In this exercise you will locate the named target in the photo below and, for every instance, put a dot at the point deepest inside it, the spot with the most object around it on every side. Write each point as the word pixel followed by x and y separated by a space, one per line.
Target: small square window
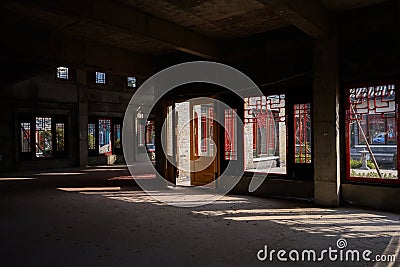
pixel 100 77
pixel 62 73
pixel 131 82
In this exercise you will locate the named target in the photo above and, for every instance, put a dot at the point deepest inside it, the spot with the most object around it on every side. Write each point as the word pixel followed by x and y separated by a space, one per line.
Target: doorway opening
pixel 192 143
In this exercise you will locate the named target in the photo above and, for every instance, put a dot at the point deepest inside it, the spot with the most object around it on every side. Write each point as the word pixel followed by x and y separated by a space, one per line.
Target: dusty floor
pixel 99 217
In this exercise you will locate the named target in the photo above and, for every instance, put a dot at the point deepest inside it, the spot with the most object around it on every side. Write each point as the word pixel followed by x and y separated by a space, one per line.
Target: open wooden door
pixel 170 169
pixel 191 142
pixel 203 142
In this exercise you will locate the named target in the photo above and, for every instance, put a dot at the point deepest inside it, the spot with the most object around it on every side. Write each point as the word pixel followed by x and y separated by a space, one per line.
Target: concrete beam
pixel 123 18
pixel 307 15
pixel 58 49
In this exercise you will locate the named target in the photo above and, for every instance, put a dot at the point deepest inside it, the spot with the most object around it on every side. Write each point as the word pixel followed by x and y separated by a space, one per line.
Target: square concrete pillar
pixel 81 79
pixel 326 123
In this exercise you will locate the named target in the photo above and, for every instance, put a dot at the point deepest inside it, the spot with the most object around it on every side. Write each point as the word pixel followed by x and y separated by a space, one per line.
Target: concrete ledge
pixel 377 197
pixel 44 164
pixel 277 188
pixel 102 160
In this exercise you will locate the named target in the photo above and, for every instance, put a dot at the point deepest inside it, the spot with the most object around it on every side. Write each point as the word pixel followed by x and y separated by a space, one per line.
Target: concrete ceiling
pixel 222 19
pixel 344 5
pixel 56 22
pixel 158 27
pixel 214 18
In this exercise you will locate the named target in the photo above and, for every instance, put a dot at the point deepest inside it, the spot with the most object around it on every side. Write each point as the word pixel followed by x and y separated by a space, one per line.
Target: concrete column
pixel 82 116
pixel 9 148
pixel 326 123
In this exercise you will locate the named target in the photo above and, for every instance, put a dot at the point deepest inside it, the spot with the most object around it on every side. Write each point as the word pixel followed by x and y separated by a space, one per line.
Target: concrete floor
pixel 99 217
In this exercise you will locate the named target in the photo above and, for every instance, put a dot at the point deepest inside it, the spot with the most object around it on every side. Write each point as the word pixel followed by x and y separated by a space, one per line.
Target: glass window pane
pixel 25 137
pixel 372 132
pixel 302 124
pixel 391 130
pixel 62 73
pixel 131 82
pixel 203 122
pixel 100 77
pixel 376 125
pixel 104 136
pixel 92 136
pixel 43 137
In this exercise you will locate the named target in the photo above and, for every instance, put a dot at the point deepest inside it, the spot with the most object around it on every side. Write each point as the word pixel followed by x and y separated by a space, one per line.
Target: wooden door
pixel 204 142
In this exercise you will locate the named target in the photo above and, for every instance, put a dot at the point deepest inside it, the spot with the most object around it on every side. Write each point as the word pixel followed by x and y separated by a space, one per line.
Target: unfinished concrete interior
pixel 323 130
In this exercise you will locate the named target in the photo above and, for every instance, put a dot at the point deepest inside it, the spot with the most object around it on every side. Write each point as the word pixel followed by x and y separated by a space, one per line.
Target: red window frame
pixel 267 121
pixel 302 117
pixel 347 130
pixel 230 124
pixel 204 135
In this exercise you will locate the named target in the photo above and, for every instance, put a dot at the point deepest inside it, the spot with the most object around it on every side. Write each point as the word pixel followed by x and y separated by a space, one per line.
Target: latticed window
pixel 302 127
pixel 265 133
pixel 104 136
pixel 44 139
pixel 371 133
pixel 230 123
pixel 25 137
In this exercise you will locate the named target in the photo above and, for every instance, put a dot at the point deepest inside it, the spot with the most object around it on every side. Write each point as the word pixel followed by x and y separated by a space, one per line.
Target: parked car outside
pixel 379 138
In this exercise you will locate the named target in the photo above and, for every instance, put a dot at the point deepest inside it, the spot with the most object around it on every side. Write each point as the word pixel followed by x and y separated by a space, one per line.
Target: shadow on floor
pixel 99 217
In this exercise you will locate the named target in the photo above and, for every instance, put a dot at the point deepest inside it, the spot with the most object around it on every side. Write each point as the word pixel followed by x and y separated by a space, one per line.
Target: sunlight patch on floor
pixel 58 173
pixel 84 189
pixel 328 222
pixel 16 178
pixel 155 197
